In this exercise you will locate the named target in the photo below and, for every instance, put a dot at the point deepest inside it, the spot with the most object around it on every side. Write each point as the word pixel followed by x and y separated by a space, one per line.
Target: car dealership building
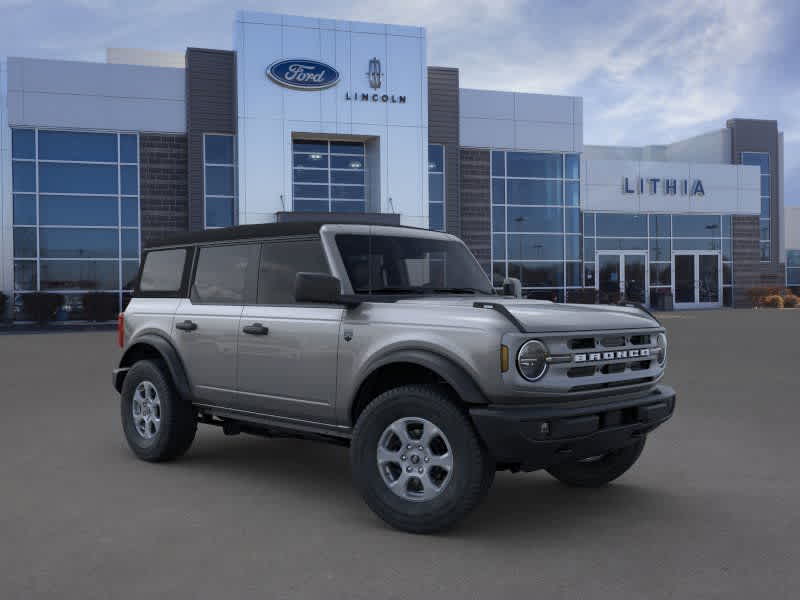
pixel 98 160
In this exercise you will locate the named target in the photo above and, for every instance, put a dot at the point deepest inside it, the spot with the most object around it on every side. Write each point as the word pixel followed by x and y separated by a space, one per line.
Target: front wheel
pixel 598 470
pixel 418 461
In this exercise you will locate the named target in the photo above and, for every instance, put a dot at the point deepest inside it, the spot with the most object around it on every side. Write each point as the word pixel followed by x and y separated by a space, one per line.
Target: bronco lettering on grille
pixel 616 355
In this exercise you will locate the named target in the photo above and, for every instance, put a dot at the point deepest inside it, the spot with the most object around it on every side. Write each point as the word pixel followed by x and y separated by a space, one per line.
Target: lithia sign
pixel 306 74
pixel 667 186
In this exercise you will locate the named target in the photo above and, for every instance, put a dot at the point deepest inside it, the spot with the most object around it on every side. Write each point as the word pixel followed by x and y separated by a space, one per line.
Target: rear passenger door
pixel 206 325
pixel 288 351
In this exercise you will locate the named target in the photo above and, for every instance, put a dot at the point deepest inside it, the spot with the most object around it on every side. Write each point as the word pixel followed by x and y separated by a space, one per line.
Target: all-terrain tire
pixel 177 424
pixel 470 477
pixel 600 471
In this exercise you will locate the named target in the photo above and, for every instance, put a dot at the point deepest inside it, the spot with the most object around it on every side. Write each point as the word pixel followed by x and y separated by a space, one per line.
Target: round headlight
pixel 661 342
pixel 532 360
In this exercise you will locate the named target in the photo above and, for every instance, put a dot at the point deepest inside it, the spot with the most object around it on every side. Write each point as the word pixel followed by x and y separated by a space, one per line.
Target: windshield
pixel 384 264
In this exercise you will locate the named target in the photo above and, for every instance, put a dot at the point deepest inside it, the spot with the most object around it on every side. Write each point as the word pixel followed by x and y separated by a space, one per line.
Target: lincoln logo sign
pixel 302 74
pixel 668 186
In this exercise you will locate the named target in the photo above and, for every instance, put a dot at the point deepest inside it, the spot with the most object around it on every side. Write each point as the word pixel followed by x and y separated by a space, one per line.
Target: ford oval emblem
pixel 303 74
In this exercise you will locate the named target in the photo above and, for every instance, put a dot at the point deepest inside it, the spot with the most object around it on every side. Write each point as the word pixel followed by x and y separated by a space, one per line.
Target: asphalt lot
pixel 712 509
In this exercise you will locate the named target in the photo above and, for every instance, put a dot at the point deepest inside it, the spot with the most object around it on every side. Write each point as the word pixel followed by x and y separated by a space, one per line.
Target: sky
pixel 649 72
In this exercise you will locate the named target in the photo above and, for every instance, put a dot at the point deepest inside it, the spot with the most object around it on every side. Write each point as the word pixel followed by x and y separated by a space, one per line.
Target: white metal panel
pixel 543 107
pixel 260 97
pixel 546 136
pixel 6 204
pixel 486 133
pixel 262 18
pixel 405 147
pixel 405 79
pixel 486 104
pixel 364 47
pixel 261 161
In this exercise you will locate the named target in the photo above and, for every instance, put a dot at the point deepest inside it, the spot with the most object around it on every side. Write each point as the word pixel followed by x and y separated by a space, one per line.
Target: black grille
pixel 581 343
pixel 613 341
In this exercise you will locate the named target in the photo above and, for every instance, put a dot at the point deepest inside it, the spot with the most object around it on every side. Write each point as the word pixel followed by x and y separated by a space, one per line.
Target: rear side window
pixel 280 263
pixel 221 274
pixel 163 271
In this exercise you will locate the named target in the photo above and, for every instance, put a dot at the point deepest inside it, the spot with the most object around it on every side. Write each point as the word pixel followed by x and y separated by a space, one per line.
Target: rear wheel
pixel 598 470
pixel 417 460
pixel 158 424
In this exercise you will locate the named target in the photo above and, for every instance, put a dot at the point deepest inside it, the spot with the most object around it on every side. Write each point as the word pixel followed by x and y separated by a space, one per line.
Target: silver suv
pixel 392 341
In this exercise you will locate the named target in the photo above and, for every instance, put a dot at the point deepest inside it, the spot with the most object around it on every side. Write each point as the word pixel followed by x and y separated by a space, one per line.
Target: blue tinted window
pixel 541 274
pixel 436 216
pixel 572 247
pixel 130 243
pixel 766 251
pixel 435 158
pixel 536 219
pixel 343 162
pixel 793 277
pixel 24 242
pixel 623 225
pixel 79 275
pixel 219 212
pixel 78 243
pixel 529 164
pixel 24 209
pixel 696 225
pixel 695 244
pixel 498 191
pixel 499 246
pixel 314 161
pixel 765 208
pixel 130 212
pixel 573 166
pixel 621 244
pixel 72 145
pixel 498 218
pixel 348 206
pixel 572 190
pixel 356 177
pixel 573 274
pixel 77 210
pixel 23 143
pixel 793 258
pixel 311 205
pixel 219 149
pixel 498 163
pixel 535 247
pixel 727 225
pixel 312 175
pixel 765 185
pixel 129 180
pixel 219 181
pixel 660 226
pixel 727 249
pixel 764 229
pixel 588 224
pixel 759 159
pixel 436 187
pixel 660 249
pixel 128 149
pixel 130 270
pixel 528 191
pixel 24 275
pixel 347 192
pixel 78 179
pixel 347 148
pixel 588 249
pixel 572 220
pixel 23 176
pixel 310 146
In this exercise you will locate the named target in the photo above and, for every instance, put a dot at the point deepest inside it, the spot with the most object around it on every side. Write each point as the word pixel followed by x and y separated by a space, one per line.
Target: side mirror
pixel 317 287
pixel 512 287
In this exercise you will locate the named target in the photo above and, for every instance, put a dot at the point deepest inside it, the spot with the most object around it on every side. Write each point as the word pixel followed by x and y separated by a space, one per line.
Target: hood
pixel 541 316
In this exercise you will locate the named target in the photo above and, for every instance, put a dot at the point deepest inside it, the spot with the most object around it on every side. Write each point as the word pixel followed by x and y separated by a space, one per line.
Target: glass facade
pixel 219 168
pixel 793 268
pixel 658 235
pixel 75 215
pixel 328 176
pixel 761 160
pixel 436 187
pixel 536 235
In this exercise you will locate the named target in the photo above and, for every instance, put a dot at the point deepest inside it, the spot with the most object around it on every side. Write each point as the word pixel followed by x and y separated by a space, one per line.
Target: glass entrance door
pixel 622 276
pixel 697 279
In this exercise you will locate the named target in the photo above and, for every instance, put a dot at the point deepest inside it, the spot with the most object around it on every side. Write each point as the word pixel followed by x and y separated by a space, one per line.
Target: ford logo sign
pixel 303 74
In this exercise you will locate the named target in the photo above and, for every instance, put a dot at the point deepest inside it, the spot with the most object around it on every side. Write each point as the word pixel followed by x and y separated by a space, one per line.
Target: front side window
pixel 280 264
pixel 221 274
pixel 219 158
pixel 409 265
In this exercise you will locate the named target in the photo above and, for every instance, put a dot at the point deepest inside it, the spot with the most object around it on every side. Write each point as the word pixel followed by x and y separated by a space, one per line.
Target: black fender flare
pixel 168 354
pixel 452 373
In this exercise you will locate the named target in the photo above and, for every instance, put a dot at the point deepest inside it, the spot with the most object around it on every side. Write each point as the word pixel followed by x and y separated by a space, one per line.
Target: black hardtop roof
pixel 260 230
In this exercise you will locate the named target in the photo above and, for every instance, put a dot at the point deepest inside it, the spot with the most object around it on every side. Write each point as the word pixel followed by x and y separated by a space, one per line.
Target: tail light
pixel 121 330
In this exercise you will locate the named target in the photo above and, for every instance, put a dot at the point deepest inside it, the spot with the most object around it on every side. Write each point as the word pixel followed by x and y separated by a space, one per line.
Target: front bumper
pixel 535 437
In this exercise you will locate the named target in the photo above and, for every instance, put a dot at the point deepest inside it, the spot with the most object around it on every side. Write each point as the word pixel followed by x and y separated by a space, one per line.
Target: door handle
pixel 256 329
pixel 187 325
